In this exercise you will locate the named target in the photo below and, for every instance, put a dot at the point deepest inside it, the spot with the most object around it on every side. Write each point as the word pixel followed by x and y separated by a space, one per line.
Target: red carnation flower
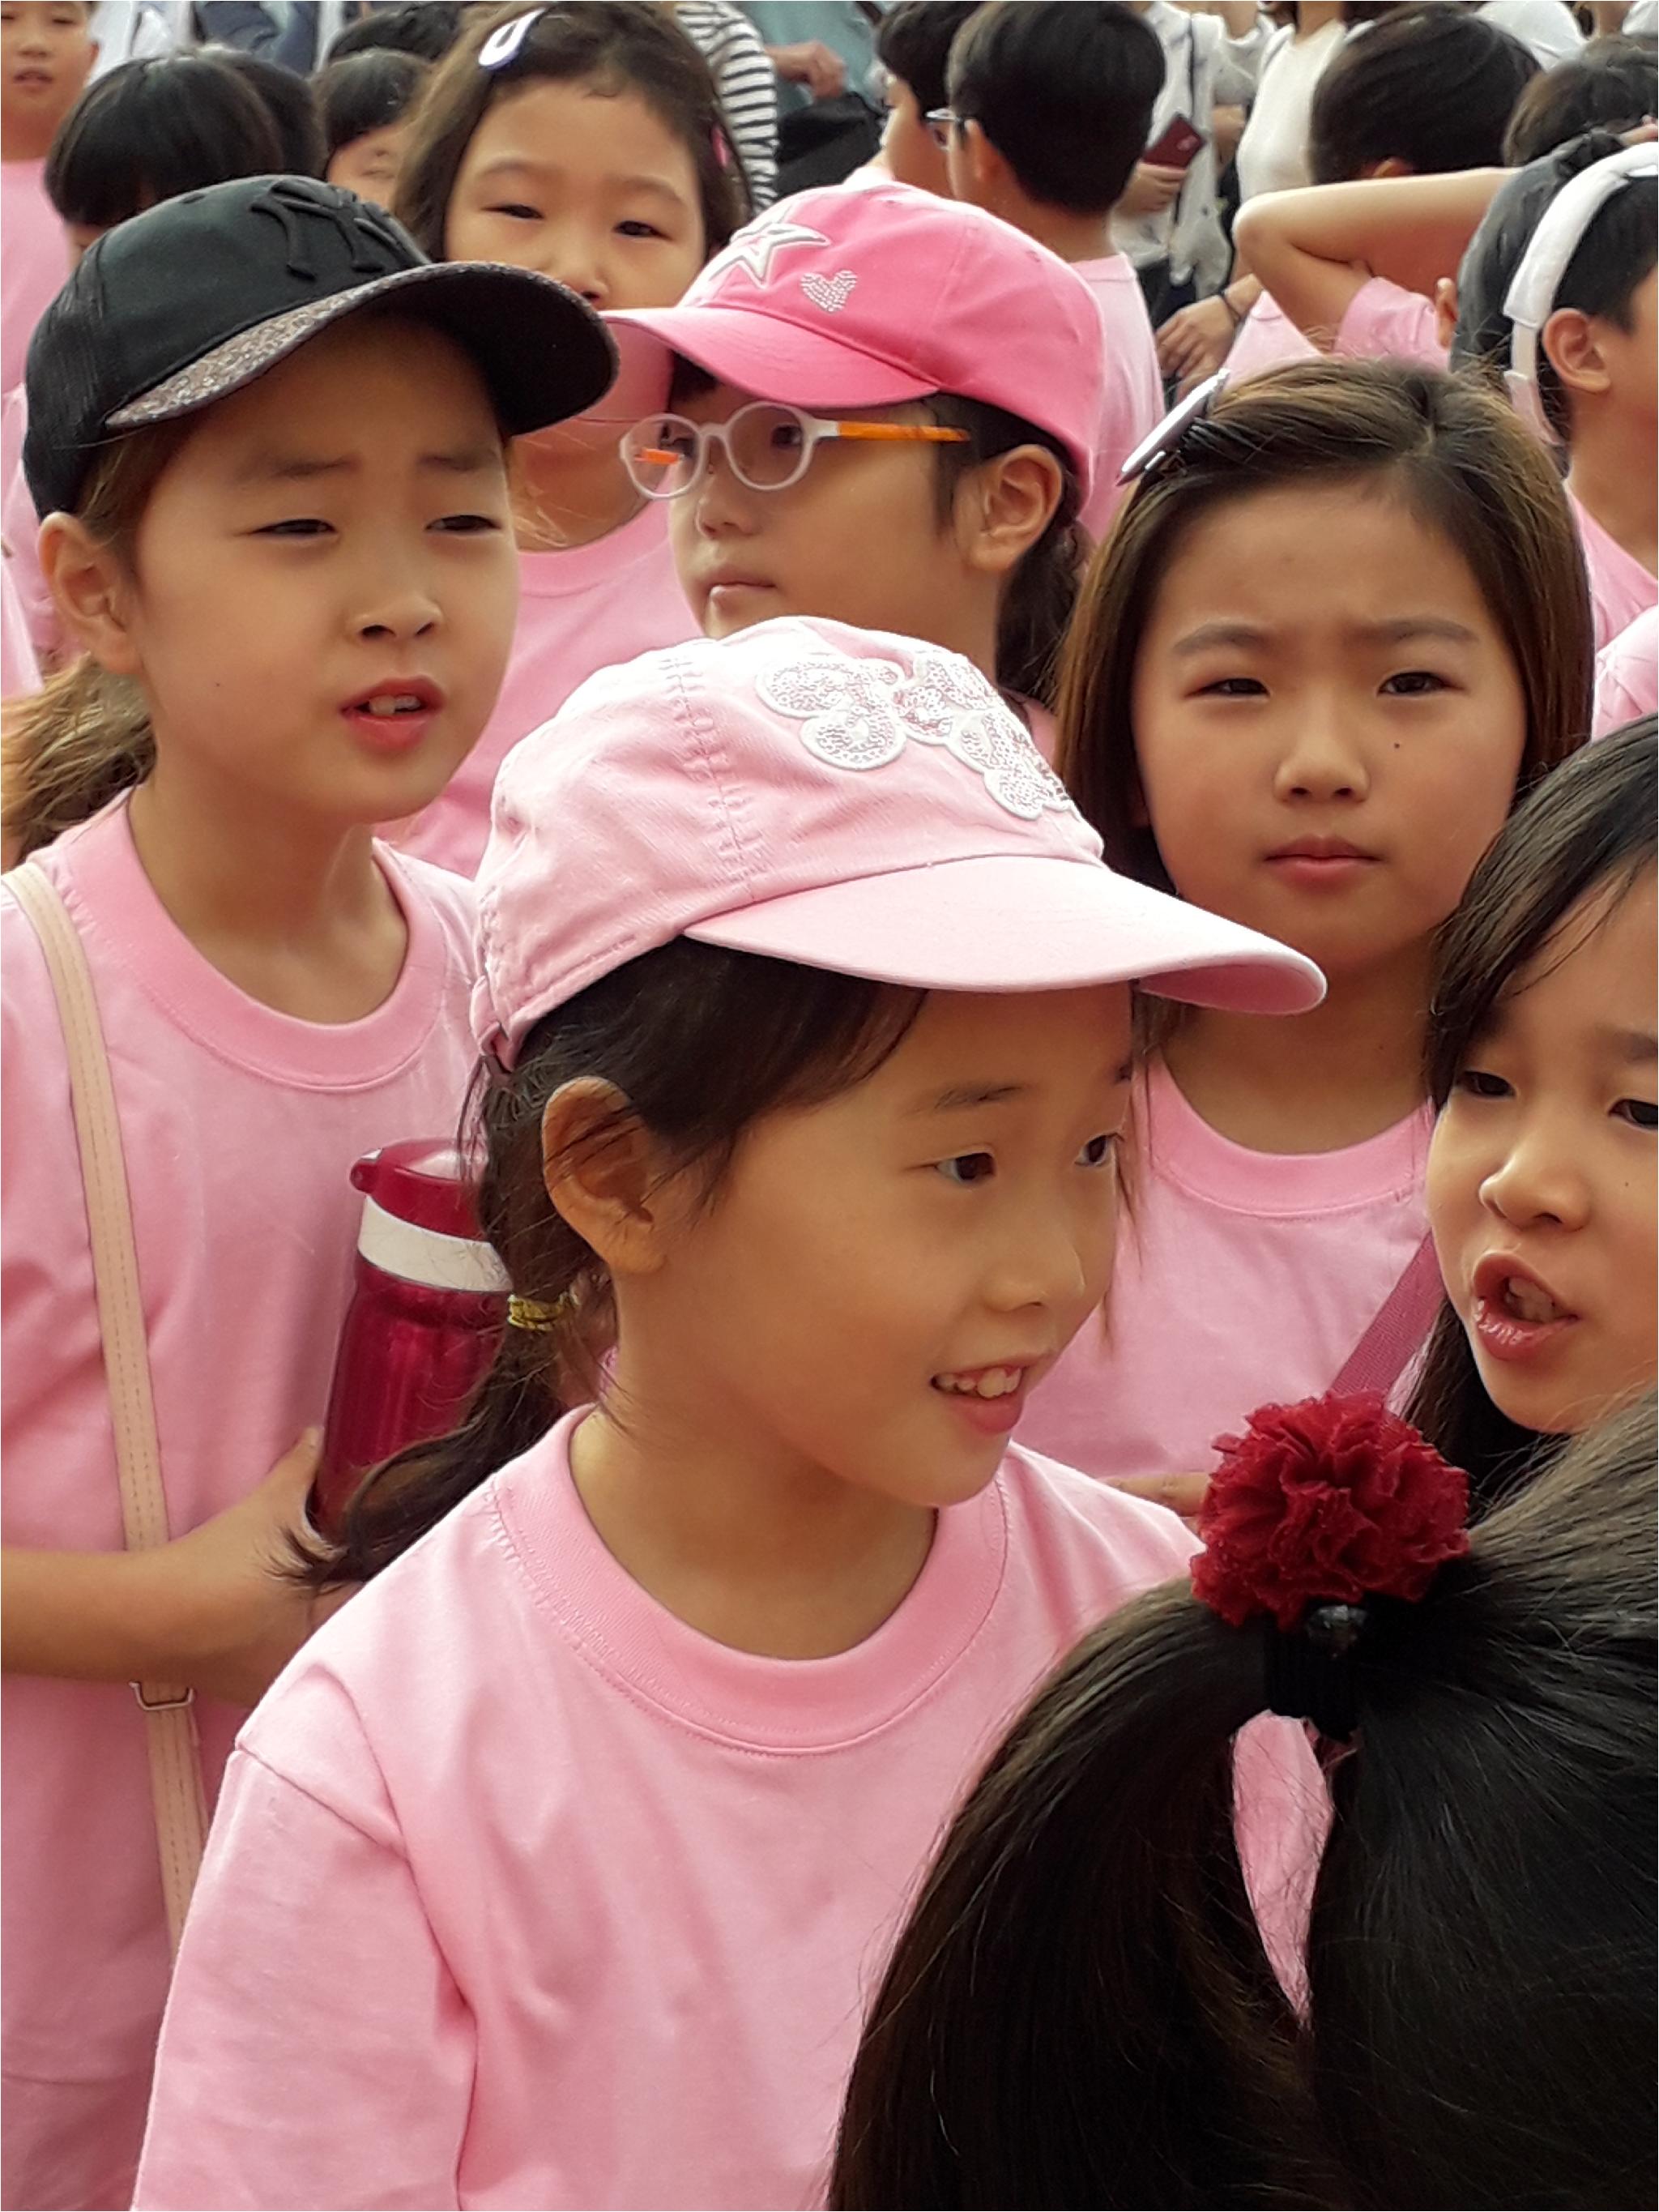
pixel 1335 1498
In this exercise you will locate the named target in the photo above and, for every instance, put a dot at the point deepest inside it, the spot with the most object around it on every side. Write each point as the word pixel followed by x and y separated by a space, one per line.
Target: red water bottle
pixel 425 1318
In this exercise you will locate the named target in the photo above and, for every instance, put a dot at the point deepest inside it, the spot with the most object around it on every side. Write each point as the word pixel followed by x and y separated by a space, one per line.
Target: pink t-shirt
pixel 20 528
pixel 579 611
pixel 34 258
pixel 1241 1278
pixel 1382 322
pixel 1620 587
pixel 1628 675
pixel 18 670
pixel 239 1126
pixel 1132 401
pixel 523 1892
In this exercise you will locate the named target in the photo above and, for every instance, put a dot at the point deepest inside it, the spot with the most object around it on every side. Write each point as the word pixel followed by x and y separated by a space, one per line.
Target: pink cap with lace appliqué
pixel 840 798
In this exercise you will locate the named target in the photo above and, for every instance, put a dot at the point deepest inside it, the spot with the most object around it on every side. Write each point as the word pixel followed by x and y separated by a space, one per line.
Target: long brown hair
pixel 85 736
pixel 1081 2012
pixel 621 47
pixel 1467 467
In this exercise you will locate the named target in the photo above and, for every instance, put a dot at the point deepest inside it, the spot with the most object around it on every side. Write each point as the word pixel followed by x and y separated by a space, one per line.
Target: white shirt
pixel 1187 233
pixel 1545 27
pixel 1272 154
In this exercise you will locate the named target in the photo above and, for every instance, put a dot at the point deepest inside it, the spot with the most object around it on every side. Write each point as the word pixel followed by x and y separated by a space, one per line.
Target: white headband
pixel 1530 301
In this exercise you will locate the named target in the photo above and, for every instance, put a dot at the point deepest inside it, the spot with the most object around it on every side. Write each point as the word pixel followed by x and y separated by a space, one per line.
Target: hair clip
pixel 1157 447
pixel 503 43
pixel 722 148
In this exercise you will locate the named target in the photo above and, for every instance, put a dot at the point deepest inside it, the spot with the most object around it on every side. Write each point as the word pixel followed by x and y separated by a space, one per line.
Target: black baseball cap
pixel 200 295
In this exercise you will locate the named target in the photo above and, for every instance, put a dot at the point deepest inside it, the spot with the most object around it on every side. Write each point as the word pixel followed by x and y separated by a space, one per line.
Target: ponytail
pixel 85 736
pixel 1080 2011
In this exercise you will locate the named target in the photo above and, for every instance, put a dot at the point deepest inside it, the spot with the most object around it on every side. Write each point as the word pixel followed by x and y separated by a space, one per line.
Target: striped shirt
pixel 748 89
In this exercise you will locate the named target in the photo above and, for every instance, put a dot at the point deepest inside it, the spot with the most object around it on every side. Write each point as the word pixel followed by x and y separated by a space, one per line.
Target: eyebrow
pixel 958 1096
pixel 1628 1046
pixel 527 165
pixel 1403 630
pixel 266 468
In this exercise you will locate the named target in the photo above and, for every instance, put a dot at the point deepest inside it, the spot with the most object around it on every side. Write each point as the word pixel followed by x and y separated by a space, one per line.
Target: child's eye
pixel 301 525
pixel 466 524
pixel 517 210
pixel 1643 1113
pixel 968 1168
pixel 1476 1083
pixel 1415 683
pixel 633 228
pixel 1097 1152
pixel 1236 687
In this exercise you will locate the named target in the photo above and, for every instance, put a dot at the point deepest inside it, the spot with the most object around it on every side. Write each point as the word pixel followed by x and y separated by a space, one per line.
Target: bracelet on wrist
pixel 1226 301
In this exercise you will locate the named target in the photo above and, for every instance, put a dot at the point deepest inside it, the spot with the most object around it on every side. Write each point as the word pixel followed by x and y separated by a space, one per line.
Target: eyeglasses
pixel 941 122
pixel 767 446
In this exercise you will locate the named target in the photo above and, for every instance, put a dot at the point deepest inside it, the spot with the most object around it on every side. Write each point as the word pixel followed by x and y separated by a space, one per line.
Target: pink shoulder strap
pixel 1398 1329
pixel 175 1762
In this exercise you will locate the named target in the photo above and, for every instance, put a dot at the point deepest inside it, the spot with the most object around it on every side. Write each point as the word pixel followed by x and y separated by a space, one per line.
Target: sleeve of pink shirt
pixel 1385 322
pixel 316 2051
pixel 1628 675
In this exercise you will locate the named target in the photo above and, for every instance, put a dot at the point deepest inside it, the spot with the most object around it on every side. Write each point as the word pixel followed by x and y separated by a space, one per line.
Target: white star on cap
pixel 756 245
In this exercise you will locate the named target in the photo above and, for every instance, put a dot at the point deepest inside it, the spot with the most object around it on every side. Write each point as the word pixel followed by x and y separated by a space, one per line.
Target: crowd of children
pixel 975 790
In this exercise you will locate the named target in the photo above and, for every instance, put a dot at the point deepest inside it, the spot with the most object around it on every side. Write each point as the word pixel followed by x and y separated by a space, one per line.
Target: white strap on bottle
pixel 175 1762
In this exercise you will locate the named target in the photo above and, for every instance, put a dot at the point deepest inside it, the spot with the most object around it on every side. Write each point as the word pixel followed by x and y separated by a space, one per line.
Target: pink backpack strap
pixel 175 1763
pixel 1398 1329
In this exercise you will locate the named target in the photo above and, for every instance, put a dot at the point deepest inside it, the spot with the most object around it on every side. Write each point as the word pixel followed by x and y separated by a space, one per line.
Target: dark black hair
pixel 1589 825
pixel 366 91
pixel 1064 89
pixel 1081 2011
pixel 427 31
pixel 913 41
pixel 698 1044
pixel 1612 83
pixel 1433 86
pixel 289 101
pixel 1615 257
pixel 621 47
pixel 151 130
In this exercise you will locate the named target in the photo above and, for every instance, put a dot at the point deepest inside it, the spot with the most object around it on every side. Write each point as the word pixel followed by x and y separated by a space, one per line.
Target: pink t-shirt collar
pixel 1212 1167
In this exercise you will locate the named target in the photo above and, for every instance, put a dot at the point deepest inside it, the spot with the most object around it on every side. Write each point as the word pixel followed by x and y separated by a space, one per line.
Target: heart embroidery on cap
pixel 829 293
pixel 861 714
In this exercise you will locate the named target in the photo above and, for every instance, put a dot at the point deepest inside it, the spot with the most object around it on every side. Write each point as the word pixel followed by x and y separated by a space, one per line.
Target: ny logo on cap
pixel 370 237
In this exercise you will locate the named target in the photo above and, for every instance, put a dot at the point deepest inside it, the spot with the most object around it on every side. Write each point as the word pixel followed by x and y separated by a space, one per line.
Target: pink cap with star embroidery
pixel 869 296
pixel 840 798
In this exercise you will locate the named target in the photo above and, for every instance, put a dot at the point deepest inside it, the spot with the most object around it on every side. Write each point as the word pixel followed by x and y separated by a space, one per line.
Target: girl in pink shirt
pixel 1291 696
pixel 277 528
pixel 1078 2012
pixel 884 409
pixel 46 51
pixel 1541 1175
pixel 558 1868
pixel 586 143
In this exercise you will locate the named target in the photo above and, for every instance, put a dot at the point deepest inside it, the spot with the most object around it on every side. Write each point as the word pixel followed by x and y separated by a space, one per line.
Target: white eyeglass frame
pixel 815 430
pixel 1530 301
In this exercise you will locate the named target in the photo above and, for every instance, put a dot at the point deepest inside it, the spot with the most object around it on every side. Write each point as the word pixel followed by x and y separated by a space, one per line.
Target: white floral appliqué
pixel 862 713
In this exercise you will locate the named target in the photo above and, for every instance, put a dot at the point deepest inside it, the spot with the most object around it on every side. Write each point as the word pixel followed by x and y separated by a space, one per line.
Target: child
pixel 282 545
pixel 960 361
pixel 1610 86
pixel 1321 747
pixel 1406 132
pixel 1079 2014
pixel 600 1802
pixel 365 102
pixel 46 53
pixel 587 144
pixel 1051 107
pixel 1566 302
pixel 289 100
pixel 913 43
pixel 1541 1181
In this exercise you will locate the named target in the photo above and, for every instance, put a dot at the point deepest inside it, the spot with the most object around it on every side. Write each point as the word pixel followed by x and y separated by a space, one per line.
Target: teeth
pixel 1527 1303
pixel 994 1382
pixel 401 704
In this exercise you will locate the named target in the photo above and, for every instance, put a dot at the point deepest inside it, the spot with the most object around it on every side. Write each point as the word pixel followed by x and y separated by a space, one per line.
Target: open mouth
pixel 982 1383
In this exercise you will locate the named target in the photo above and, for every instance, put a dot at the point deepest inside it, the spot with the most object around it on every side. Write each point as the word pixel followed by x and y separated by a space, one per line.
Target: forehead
pixel 583 128
pixel 1040 1039
pixel 1600 963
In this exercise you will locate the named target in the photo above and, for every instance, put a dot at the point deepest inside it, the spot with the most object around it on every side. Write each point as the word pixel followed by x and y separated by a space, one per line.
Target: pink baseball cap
pixel 866 296
pixel 839 798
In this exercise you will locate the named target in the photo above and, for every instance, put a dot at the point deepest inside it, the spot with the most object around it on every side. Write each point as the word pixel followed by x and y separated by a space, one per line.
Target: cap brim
pixel 1022 923
pixel 771 359
pixel 544 353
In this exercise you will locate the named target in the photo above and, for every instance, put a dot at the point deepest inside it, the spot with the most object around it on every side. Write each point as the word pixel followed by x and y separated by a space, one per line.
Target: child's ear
pixel 1445 310
pixel 91 591
pixel 1005 504
pixel 988 176
pixel 1572 342
pixel 600 1170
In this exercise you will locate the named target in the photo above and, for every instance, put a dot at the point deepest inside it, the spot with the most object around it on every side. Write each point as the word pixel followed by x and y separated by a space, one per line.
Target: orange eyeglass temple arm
pixel 933 433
